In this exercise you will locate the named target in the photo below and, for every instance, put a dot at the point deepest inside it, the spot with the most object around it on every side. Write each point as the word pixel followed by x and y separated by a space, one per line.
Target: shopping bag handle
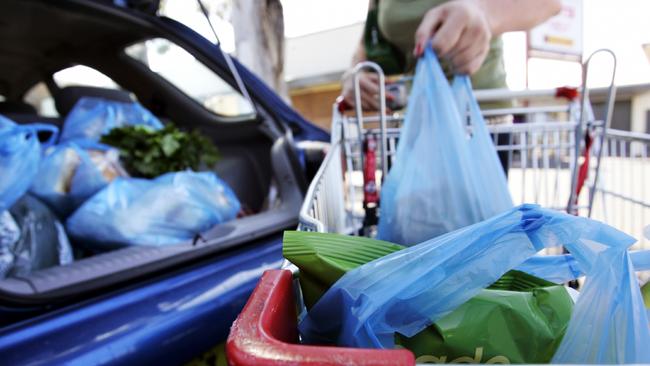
pixel 31 131
pixel 461 88
pixel 564 267
pixel 467 103
pixel 44 127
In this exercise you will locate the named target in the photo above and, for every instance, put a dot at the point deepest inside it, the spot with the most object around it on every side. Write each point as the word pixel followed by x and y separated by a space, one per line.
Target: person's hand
pixel 459 31
pixel 369 85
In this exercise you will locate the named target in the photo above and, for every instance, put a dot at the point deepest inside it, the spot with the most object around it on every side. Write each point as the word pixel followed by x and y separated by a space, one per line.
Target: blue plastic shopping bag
pixel 170 209
pixel 563 268
pixel 31 238
pixel 69 174
pixel 411 289
pixel 5 123
pixel 445 175
pixel 91 118
pixel 20 155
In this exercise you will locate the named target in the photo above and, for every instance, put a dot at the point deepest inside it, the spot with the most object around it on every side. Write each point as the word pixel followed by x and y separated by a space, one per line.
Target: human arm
pixel 368 83
pixel 461 30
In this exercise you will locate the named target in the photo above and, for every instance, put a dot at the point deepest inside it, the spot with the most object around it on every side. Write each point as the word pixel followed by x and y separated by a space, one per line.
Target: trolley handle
pixel 567 92
pixel 582 124
pixel 356 72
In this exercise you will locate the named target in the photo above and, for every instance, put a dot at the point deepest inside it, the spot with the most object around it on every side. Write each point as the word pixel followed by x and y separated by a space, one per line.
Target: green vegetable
pixel 149 153
pixel 645 291
pixel 518 319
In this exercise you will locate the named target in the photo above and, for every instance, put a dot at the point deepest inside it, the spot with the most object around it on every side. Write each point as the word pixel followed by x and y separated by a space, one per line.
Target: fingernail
pixel 418 50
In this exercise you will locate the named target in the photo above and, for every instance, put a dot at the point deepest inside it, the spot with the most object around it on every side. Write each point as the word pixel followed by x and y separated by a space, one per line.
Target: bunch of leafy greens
pixel 149 153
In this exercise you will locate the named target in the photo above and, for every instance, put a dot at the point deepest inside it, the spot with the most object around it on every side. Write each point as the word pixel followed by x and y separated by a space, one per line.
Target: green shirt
pixel 398 21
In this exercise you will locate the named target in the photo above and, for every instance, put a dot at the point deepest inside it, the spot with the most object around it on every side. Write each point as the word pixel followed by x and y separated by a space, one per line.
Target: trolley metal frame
pixel 545 154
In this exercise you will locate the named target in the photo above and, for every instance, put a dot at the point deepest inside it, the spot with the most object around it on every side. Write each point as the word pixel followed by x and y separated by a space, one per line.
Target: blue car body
pixel 164 322
pixel 168 315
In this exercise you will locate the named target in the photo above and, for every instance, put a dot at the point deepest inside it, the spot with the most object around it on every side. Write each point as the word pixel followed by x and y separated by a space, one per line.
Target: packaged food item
pixel 9 235
pixel 20 156
pixel 479 331
pixel 170 209
pixel 70 174
pixel 408 291
pixel 324 258
pixel 460 182
pixel 108 163
pixel 31 238
pixel 90 118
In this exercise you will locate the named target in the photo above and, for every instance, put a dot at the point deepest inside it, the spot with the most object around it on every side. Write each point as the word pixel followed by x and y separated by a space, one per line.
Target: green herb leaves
pixel 149 153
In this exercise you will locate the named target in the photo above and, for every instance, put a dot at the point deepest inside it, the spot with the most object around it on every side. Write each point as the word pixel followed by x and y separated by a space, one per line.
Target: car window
pixel 40 98
pixel 81 75
pixel 192 77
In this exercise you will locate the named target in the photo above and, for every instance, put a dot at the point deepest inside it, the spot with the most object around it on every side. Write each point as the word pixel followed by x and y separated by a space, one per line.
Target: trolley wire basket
pixel 557 154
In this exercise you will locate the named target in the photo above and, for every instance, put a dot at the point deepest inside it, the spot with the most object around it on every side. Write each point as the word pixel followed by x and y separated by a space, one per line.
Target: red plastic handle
pixel 370 193
pixel 265 333
pixel 567 92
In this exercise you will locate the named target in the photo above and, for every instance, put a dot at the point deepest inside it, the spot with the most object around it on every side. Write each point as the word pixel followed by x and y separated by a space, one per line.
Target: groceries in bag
pixel 409 290
pixel 324 258
pixel 565 267
pixel 31 238
pixel 69 174
pixel 518 319
pixel 20 156
pixel 444 177
pixel 90 118
pixel 480 328
pixel 9 235
pixel 5 123
pixel 171 209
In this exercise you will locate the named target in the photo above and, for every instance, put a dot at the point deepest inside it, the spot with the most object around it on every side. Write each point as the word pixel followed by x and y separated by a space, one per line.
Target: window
pixel 193 78
pixel 39 95
pixel 81 75
pixel 40 98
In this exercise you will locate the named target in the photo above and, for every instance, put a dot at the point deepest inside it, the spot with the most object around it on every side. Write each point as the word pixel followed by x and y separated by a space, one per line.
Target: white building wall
pixel 320 54
pixel 640 108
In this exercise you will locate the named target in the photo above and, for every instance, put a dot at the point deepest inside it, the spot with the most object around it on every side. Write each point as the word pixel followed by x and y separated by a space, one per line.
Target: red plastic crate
pixel 265 333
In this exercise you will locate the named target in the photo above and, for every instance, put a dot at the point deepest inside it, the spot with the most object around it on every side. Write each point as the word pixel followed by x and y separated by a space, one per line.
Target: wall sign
pixel 559 37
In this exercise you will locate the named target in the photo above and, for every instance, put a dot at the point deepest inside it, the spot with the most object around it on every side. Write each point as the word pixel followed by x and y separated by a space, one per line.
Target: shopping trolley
pixel 548 149
pixel 620 195
pixel 553 152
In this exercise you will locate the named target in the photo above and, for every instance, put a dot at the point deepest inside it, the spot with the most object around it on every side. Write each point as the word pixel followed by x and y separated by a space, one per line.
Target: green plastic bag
pixel 324 258
pixel 518 322
pixel 518 319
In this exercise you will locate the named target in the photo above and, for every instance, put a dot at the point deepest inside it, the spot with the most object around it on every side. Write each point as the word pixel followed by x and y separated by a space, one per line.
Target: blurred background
pixel 320 36
pixel 302 47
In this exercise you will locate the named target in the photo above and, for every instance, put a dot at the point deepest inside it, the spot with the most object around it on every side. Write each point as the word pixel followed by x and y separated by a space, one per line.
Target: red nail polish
pixel 418 50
